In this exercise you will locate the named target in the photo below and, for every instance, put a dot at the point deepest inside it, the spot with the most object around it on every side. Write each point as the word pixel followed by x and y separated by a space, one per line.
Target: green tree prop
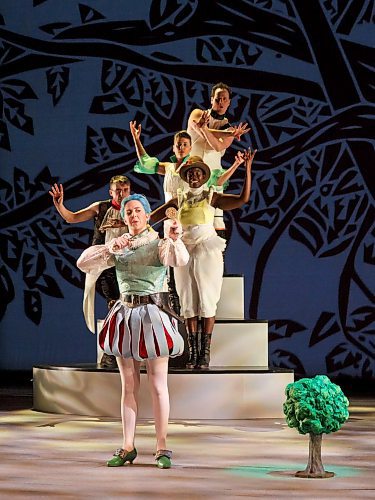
pixel 315 406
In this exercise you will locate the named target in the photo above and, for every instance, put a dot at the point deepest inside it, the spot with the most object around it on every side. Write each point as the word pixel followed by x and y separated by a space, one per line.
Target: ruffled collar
pixel 143 238
pixel 173 159
pixel 196 191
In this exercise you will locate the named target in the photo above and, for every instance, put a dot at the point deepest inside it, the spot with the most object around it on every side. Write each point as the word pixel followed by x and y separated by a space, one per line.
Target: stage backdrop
pixel 73 74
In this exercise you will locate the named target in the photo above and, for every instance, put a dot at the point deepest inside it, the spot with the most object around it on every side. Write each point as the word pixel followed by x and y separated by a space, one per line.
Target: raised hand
pixel 135 131
pixel 204 119
pixel 239 130
pixel 172 229
pixel 57 193
pixel 248 158
pixel 238 159
pixel 202 122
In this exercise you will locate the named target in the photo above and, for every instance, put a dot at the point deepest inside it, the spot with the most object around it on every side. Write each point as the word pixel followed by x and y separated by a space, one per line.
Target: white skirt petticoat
pixel 143 332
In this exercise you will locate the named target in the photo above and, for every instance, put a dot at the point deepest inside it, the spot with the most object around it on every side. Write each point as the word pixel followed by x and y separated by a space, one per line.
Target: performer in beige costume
pixel 211 134
pixel 199 281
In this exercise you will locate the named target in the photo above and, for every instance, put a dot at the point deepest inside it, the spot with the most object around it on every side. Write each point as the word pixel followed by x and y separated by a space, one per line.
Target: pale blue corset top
pixel 140 271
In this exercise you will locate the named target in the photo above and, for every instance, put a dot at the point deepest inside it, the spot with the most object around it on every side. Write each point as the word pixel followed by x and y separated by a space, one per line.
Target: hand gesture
pixel 248 158
pixel 202 122
pixel 57 193
pixel 117 244
pixel 204 119
pixel 240 129
pixel 238 159
pixel 135 131
pixel 172 229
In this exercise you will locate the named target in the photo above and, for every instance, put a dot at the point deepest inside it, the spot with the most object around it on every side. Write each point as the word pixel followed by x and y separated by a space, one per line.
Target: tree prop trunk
pixel 314 468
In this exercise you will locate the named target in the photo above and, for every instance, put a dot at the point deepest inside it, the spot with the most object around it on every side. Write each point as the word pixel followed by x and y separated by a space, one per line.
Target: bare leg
pixel 208 324
pixel 192 324
pixel 157 372
pixel 130 378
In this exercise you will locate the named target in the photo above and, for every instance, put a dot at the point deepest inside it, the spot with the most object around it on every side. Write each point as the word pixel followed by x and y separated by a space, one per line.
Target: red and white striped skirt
pixel 143 332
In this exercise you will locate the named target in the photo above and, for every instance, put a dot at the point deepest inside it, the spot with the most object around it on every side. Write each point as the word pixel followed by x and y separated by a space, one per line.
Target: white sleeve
pixel 95 259
pixel 173 253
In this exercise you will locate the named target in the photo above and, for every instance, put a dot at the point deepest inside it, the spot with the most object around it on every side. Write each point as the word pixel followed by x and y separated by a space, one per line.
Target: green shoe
pixel 163 459
pixel 122 456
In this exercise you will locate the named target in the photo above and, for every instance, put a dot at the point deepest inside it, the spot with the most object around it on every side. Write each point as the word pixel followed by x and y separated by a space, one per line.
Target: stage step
pixel 218 393
pixel 240 343
pixel 232 299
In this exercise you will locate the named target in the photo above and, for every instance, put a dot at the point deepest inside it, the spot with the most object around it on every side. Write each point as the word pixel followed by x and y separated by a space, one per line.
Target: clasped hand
pixel 172 229
pixel 117 244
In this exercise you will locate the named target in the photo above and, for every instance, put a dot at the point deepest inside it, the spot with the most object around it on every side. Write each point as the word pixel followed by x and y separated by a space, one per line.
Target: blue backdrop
pixel 72 77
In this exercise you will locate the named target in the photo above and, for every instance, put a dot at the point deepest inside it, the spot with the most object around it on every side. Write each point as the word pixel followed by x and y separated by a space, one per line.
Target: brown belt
pixel 160 299
pixel 136 300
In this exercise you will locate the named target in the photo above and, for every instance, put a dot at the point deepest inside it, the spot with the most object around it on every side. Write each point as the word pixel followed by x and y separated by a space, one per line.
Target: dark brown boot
pixel 204 353
pixel 108 361
pixel 193 350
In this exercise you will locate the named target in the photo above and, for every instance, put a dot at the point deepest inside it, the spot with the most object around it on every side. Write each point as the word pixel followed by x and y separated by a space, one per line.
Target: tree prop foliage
pixel 315 406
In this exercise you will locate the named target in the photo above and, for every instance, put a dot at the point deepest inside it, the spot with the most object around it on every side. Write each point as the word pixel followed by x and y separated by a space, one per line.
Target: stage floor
pixel 63 456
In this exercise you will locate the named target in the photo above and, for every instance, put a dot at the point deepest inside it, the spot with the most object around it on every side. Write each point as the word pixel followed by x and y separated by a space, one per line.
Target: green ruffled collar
pixel 174 159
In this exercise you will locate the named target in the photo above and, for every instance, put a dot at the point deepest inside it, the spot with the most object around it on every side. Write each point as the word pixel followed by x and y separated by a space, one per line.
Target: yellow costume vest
pixel 193 213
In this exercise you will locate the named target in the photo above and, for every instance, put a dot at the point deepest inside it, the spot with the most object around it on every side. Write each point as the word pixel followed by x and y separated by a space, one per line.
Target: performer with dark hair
pixel 173 182
pixel 140 326
pixel 211 135
pixel 107 225
pixel 151 165
pixel 199 282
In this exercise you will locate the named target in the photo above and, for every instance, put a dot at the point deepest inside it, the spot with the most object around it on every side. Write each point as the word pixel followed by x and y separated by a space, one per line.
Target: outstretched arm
pixel 218 140
pixel 136 134
pixel 238 160
pixel 222 139
pixel 232 201
pixel 57 193
pixel 145 165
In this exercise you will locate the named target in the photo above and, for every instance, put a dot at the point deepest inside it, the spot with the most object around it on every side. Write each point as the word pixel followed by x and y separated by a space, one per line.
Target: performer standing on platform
pixel 107 225
pixel 172 180
pixel 211 134
pixel 199 282
pixel 151 165
pixel 140 326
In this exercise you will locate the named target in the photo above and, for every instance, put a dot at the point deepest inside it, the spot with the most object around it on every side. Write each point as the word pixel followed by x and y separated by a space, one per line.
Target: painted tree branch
pixel 339 83
pixel 259 80
pixel 352 123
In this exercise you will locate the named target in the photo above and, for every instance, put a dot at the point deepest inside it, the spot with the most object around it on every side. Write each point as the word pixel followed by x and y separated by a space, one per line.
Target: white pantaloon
pixel 198 284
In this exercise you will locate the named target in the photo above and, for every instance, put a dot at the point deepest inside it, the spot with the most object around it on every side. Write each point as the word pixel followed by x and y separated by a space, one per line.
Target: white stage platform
pixel 237 393
pixel 238 385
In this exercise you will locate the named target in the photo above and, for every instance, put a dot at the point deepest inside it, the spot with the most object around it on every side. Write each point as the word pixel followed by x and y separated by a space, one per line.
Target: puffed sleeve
pixel 95 259
pixel 173 253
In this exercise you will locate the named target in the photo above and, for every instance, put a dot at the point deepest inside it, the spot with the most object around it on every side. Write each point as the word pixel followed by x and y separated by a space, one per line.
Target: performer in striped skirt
pixel 140 326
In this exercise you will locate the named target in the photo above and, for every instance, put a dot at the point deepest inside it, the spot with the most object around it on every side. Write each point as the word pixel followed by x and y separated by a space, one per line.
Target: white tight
pixel 157 373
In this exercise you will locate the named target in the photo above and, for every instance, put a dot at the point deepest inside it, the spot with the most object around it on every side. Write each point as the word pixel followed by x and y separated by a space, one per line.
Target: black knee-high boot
pixel 193 349
pixel 204 353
